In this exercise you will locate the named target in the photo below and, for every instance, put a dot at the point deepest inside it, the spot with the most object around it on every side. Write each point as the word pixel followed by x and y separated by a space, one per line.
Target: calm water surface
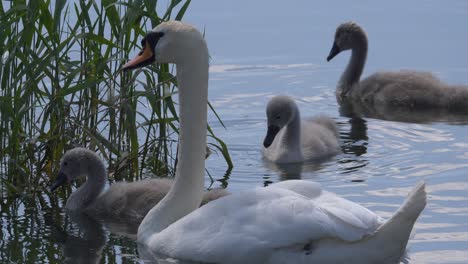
pixel 263 48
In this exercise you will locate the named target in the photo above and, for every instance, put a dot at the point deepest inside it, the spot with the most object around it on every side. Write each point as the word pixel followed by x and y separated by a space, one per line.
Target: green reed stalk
pixel 61 87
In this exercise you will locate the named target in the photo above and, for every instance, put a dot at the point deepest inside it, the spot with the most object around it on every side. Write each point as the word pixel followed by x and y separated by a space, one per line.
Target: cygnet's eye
pixel 160 34
pixel 65 163
pixel 278 117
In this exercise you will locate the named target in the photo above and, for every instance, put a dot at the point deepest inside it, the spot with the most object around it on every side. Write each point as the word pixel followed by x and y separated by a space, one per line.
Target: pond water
pixel 263 48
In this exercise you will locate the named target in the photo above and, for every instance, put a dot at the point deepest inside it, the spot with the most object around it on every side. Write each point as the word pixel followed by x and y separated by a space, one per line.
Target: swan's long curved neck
pixel 353 71
pixel 91 189
pixel 187 191
pixel 292 134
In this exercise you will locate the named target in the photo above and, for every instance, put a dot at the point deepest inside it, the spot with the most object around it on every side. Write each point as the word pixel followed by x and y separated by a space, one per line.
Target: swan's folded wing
pixel 250 225
pixel 350 214
pixel 319 138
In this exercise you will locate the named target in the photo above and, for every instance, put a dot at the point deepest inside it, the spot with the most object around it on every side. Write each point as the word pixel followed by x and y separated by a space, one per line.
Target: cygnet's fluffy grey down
pixel 127 201
pixel 408 89
pixel 289 140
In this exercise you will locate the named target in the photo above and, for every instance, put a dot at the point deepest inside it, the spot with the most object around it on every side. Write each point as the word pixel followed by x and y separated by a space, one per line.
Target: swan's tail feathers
pixel 397 230
pixel 413 205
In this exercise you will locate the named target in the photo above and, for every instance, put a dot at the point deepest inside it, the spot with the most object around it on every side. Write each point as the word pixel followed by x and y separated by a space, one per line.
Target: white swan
pixel 125 201
pixel 289 222
pixel 289 140
pixel 407 89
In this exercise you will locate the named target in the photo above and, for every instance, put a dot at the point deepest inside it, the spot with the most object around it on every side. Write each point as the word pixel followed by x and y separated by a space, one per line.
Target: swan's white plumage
pixel 290 222
pixel 257 222
pixel 278 225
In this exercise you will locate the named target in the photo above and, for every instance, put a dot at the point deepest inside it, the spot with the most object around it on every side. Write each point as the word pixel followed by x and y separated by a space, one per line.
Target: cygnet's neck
pixel 91 189
pixel 353 71
pixel 187 191
pixel 291 140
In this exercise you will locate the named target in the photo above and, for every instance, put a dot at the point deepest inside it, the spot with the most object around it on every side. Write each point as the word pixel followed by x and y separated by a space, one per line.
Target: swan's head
pixel 169 42
pixel 76 163
pixel 280 111
pixel 347 36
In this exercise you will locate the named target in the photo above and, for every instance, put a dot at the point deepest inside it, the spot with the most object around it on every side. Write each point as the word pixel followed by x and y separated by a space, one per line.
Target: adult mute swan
pixel 289 140
pixel 124 201
pixel 288 222
pixel 406 89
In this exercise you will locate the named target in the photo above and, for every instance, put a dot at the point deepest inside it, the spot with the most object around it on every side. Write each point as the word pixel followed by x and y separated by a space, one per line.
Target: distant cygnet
pixel 288 140
pixel 409 89
pixel 128 201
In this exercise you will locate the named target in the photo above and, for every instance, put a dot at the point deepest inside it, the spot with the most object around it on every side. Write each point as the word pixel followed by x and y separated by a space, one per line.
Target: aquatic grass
pixel 61 87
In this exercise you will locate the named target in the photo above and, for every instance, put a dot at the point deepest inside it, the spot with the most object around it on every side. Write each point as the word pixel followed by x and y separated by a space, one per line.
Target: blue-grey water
pixel 263 48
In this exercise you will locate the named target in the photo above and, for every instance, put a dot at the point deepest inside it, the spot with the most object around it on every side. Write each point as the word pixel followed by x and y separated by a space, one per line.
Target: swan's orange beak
pixel 145 57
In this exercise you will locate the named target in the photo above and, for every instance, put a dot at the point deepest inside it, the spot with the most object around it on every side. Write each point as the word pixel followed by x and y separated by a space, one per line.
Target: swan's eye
pixel 143 43
pixel 152 38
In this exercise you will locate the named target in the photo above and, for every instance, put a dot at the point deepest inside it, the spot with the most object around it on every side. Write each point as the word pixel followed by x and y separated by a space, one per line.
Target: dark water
pixel 263 48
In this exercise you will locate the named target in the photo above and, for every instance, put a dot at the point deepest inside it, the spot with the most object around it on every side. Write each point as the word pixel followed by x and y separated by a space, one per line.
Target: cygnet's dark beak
pixel 270 136
pixel 333 52
pixel 59 181
pixel 145 57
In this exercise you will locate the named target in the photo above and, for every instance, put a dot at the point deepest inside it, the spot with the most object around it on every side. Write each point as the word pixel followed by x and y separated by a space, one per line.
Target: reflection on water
pixel 292 171
pixel 435 256
pixel 39 231
pixel 351 108
pixel 260 68
pixel 354 145
pixel 82 239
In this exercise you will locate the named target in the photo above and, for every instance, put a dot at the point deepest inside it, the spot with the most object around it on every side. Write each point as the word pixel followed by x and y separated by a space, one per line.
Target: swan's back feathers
pixel 319 138
pixel 326 122
pixel 131 201
pixel 271 218
pixel 213 194
pixel 411 89
pixel 306 188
